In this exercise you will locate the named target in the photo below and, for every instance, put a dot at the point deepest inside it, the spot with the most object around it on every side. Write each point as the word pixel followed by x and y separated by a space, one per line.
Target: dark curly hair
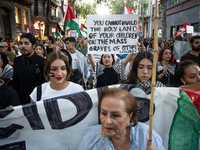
pixel 180 71
pixel 162 52
pixel 29 36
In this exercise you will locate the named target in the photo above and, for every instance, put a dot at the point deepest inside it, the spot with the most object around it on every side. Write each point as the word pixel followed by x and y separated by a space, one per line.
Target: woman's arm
pixel 92 61
pixel 127 59
pixel 163 73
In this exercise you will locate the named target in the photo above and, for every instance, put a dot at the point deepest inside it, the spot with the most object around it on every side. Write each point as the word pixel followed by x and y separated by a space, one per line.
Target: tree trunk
pixel 164 24
pixel 46 33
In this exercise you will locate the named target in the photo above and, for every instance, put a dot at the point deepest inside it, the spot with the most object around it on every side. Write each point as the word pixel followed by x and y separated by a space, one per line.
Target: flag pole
pixel 153 81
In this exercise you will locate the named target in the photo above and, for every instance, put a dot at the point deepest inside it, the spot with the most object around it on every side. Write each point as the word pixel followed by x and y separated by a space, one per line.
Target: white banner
pixel 112 34
pixel 60 123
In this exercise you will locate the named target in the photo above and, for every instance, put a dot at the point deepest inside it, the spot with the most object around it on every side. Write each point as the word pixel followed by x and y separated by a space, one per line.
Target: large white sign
pixel 59 123
pixel 112 34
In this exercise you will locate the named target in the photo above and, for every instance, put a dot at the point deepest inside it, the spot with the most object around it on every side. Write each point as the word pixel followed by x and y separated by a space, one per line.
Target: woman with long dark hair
pixel 142 70
pixel 109 71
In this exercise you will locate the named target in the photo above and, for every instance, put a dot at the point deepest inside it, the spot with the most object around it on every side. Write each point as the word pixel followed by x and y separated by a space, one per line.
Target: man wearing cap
pixel 28 68
pixel 11 56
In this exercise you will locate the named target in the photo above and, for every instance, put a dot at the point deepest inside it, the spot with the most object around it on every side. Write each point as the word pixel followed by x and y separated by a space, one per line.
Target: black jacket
pixel 25 80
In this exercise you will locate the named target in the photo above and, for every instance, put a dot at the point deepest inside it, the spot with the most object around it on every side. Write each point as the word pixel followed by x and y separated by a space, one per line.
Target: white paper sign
pixel 112 34
pixel 190 29
pixel 73 33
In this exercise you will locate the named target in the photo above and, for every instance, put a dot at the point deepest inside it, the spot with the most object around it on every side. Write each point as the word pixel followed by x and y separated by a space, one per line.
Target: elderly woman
pixel 119 127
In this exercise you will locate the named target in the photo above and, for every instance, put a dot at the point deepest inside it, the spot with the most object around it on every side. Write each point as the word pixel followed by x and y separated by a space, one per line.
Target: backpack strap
pixel 39 92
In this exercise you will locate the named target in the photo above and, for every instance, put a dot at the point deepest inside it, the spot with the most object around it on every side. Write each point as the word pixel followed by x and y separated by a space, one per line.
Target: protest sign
pixel 180 48
pixel 190 29
pixel 112 34
pixel 73 33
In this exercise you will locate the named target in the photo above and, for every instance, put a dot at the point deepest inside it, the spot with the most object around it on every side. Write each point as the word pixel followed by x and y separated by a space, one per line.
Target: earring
pixel 128 124
pixel 183 82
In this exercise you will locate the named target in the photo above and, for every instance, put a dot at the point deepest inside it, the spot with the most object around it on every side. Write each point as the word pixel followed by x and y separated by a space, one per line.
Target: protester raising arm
pixel 125 61
pixel 109 71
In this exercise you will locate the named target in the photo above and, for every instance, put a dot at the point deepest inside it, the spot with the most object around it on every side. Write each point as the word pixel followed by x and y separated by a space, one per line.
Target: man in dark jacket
pixel 194 54
pixel 28 69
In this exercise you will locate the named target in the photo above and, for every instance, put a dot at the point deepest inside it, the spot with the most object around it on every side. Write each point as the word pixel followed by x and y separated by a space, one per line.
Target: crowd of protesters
pixel 40 69
pixel 26 64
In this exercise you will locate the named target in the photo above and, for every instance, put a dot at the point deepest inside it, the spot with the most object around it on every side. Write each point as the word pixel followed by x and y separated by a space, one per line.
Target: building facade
pixel 39 18
pixel 179 12
pixel 17 16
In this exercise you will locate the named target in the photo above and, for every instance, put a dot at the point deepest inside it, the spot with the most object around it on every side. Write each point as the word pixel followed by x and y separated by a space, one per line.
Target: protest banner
pixel 59 123
pixel 112 34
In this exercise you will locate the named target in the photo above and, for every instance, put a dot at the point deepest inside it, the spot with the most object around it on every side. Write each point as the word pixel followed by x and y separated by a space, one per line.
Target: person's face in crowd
pixel 162 45
pixel 107 60
pixel 26 47
pixel 47 41
pixel 113 117
pixel 166 55
pixel 143 48
pixel 69 45
pixel 39 51
pixel 79 40
pixel 59 69
pixel 144 70
pixel 86 42
pixel 196 45
pixel 191 75
pixel 13 50
pixel 41 42
pixel 3 49
pixel 141 43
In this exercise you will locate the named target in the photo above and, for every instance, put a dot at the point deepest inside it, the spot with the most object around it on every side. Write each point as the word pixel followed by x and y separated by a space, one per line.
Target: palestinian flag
pixel 127 11
pixel 183 30
pixel 20 33
pixel 57 32
pixel 70 19
pixel 59 29
pixel 83 28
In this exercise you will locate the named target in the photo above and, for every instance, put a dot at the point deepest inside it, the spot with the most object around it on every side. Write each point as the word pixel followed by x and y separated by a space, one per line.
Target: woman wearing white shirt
pixel 56 70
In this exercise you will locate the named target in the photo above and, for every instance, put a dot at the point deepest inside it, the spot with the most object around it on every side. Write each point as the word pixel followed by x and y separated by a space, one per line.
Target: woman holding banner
pixel 108 71
pixel 57 70
pixel 119 127
pixel 141 72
